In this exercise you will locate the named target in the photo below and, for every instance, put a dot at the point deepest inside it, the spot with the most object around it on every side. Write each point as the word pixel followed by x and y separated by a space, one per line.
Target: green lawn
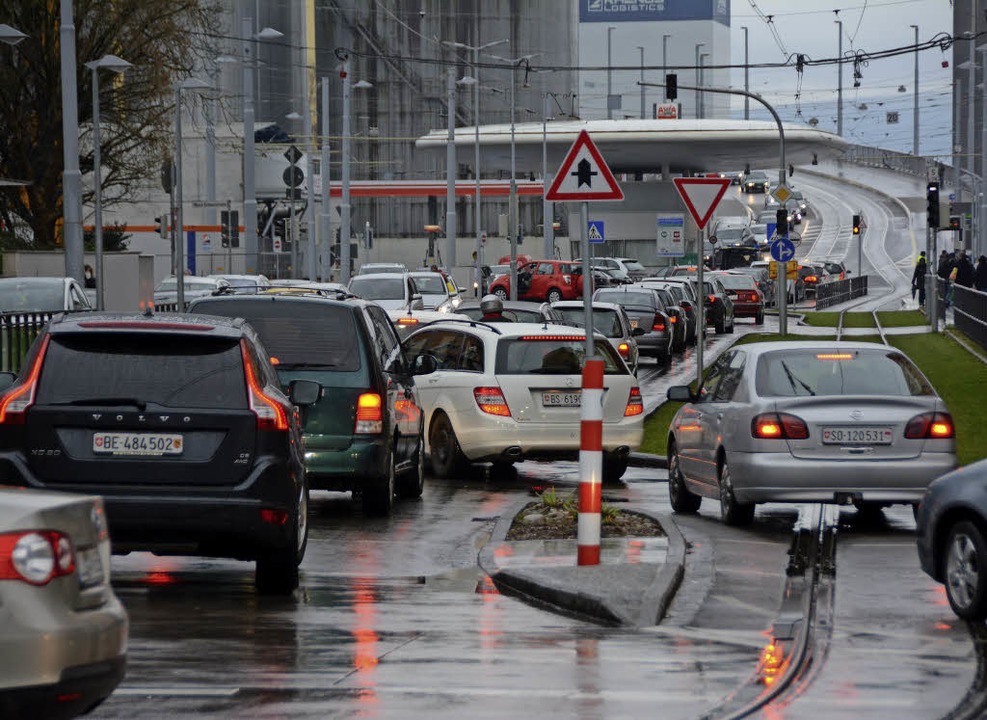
pixel 902 318
pixel 957 376
pixel 832 319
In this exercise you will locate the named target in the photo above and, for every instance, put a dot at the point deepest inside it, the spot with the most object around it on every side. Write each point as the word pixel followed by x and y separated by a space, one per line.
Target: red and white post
pixel 590 464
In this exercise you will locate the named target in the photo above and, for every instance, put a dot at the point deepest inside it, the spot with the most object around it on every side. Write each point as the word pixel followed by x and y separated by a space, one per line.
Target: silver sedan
pixel 849 423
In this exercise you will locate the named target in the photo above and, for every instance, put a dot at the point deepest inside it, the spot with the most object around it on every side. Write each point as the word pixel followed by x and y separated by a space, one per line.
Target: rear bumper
pixel 347 468
pixel 742 309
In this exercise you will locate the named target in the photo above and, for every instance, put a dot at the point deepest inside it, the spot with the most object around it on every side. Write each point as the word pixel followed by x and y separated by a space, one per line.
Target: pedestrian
pixel 944 269
pixel 964 270
pixel 492 309
pixel 89 276
pixel 980 274
pixel 918 279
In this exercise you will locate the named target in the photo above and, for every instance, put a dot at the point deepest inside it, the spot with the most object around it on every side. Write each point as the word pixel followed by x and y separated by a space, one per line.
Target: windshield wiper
pixel 792 379
pixel 104 401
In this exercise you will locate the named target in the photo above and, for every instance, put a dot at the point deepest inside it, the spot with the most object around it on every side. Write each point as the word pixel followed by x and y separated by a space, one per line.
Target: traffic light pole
pixel 931 272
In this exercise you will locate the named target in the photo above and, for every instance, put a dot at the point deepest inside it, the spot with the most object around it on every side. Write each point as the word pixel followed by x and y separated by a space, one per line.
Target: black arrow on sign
pixel 584 173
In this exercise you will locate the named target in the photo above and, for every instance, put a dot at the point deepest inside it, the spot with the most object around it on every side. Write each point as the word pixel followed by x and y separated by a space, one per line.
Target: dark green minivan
pixel 364 434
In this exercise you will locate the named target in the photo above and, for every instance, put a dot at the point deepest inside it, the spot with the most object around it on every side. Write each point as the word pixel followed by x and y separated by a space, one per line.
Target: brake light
pixel 658 324
pixel 271 415
pixel 774 426
pixel 673 319
pixel 407 321
pixel 369 414
pixel 933 425
pixel 35 556
pixel 624 349
pixel 15 402
pixel 491 401
pixel 635 404
pixel 711 299
pixel 811 279
pixel 573 338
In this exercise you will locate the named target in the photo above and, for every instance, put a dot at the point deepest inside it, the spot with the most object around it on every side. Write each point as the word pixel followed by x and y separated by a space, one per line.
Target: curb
pixel 545 589
pixel 638 459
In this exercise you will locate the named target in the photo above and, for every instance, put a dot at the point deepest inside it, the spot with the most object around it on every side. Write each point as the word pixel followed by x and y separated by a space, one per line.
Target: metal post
pixel 324 234
pixel 970 145
pixel 548 207
pixel 702 76
pixel 71 177
pixel 957 148
pixel 292 228
pixel 179 220
pixel 344 206
pixel 701 314
pixel 98 190
pixel 915 136
pixel 839 81
pixel 981 236
pixel 511 220
pixel 860 252
pixel 478 224
pixel 747 77
pixel 591 422
pixel 699 79
pixel 609 72
pixel 209 109
pixel 643 102
pixel 250 248
pixel 450 256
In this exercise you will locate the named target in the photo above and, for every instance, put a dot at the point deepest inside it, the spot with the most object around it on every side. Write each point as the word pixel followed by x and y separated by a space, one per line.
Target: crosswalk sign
pixel 595 231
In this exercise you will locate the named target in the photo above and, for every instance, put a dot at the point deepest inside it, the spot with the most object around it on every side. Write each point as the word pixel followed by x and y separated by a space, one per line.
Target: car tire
pixel 554 296
pixel 614 468
pixel 276 572
pixel 964 573
pixel 682 499
pixel 411 484
pixel 378 497
pixel 446 456
pixel 720 326
pixel 730 328
pixel 501 293
pixel 759 319
pixel 732 513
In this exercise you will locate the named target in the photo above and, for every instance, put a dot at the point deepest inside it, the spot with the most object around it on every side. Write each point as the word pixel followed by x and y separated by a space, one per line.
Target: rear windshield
pixel 643 300
pixel 312 334
pixel 165 369
pixel 373 288
pixel 737 282
pixel 553 356
pixel 790 373
pixel 633 266
pixel 430 285
pixel 605 322
pixel 29 294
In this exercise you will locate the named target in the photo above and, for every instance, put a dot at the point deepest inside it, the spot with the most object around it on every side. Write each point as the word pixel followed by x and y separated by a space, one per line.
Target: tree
pixel 165 40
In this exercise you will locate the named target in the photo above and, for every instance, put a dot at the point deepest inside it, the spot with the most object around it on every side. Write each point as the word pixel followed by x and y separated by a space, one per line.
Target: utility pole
pixel 915 109
pixel 747 77
pixel 839 81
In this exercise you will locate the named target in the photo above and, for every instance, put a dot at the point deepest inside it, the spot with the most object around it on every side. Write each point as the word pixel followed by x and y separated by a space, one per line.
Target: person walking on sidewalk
pixel 980 274
pixel 964 270
pixel 918 279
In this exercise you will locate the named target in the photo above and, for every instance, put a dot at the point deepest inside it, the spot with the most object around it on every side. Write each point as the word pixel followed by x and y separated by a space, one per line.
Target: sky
pixel 808 27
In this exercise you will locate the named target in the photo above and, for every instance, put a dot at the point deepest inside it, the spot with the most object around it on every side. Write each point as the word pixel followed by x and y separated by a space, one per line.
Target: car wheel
pixel 276 573
pixel 378 498
pixel 412 483
pixel 730 328
pixel 614 468
pixel 446 456
pixel 966 581
pixel 759 320
pixel 720 326
pixel 732 512
pixel 554 295
pixel 683 500
pixel 501 293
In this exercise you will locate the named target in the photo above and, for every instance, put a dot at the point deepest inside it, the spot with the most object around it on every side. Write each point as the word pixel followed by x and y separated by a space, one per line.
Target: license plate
pixel 633 323
pixel 880 435
pixel 560 399
pixel 147 444
pixel 89 567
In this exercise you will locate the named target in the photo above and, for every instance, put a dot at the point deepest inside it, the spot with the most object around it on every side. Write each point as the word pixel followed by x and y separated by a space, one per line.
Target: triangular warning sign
pixel 701 196
pixel 584 175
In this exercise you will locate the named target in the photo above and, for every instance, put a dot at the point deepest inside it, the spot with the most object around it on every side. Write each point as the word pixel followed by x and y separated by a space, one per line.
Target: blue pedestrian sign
pixel 782 249
pixel 595 231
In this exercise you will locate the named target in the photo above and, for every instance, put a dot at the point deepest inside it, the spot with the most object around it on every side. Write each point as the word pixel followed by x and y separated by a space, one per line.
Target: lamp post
pixel 450 258
pixel 747 77
pixel 344 206
pixel 839 80
pixel 187 84
pixel 915 141
pixel 10 35
pixel 71 177
pixel 698 78
pixel 249 188
pixel 641 48
pixel 324 173
pixel 609 73
pixel 702 76
pixel 117 65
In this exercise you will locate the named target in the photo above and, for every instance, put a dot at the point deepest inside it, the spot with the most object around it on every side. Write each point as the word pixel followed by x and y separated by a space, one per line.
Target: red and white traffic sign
pixel 584 175
pixel 701 196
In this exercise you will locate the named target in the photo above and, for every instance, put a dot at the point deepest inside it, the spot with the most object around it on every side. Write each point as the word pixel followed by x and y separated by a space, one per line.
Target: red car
pixel 748 300
pixel 543 280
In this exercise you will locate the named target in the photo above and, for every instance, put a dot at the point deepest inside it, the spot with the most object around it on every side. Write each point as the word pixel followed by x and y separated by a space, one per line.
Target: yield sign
pixel 584 175
pixel 701 196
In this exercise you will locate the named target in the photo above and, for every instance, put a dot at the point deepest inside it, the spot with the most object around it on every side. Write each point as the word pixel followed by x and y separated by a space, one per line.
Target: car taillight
pixel 35 556
pixel 491 400
pixel 811 279
pixel 933 425
pixel 635 404
pixel 407 321
pixel 774 426
pixel 624 349
pixel 15 402
pixel 673 319
pixel 369 414
pixel 711 299
pixel 658 324
pixel 271 415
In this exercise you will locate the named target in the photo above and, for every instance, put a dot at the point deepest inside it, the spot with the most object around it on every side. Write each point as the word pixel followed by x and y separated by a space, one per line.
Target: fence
pixel 17 332
pixel 969 310
pixel 838 291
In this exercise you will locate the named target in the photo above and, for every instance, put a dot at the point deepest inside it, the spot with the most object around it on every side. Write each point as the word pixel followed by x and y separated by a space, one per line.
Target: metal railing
pixel 839 291
pixel 969 310
pixel 17 331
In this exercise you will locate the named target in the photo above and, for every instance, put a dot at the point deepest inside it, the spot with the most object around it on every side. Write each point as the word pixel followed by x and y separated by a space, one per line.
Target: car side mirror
pixel 7 379
pixel 680 393
pixel 416 302
pixel 848 272
pixel 304 392
pixel 424 365
pixel 638 331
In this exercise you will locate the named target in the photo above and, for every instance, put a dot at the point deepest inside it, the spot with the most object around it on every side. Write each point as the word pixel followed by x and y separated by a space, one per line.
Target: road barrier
pixel 839 291
pixel 969 311
pixel 17 332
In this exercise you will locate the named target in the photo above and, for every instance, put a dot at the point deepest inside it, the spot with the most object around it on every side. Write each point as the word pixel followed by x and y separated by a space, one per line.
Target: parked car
pixel 64 643
pixel 179 423
pixel 646 311
pixel 392 291
pixel 245 283
pixel 548 280
pixel 511 391
pixel 517 311
pixel 381 267
pixel 42 294
pixel 609 320
pixel 437 292
pixel 364 432
pixel 748 301
pixel 166 293
pixel 952 537
pixel 807 421
pixel 755 181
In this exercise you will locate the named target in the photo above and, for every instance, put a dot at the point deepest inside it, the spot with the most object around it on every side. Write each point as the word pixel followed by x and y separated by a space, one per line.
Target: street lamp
pixel 747 77
pixel 191 83
pixel 450 258
pixel 249 188
pixel 344 207
pixel 10 35
pixel 117 65
pixel 839 81
pixel 915 118
pixel 609 73
pixel 641 48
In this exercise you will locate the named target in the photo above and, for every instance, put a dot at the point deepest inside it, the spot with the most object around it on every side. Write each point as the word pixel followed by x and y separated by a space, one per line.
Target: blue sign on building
pixel 654 10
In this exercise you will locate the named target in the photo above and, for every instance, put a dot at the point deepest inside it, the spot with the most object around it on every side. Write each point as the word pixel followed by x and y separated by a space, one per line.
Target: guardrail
pixel 838 291
pixel 17 332
pixel 969 310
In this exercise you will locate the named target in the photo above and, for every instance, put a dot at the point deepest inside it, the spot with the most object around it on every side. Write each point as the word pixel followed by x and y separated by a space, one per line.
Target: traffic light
pixel 954 222
pixel 932 205
pixel 781 222
pixel 224 228
pixel 671 86
pixel 856 224
pixel 160 226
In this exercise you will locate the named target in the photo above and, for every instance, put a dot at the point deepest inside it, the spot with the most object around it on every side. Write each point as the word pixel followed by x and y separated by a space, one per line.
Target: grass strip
pixel 901 318
pixel 832 319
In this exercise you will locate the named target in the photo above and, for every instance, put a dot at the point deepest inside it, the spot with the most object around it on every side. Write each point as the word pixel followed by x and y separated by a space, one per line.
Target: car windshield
pixel 832 371
pixel 373 288
pixel 553 355
pixel 606 322
pixel 30 294
pixel 430 284
pixel 627 299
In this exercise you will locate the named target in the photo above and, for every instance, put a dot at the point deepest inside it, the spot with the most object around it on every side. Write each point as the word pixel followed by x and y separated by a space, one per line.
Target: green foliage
pixel 551 499
pixel 115 239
